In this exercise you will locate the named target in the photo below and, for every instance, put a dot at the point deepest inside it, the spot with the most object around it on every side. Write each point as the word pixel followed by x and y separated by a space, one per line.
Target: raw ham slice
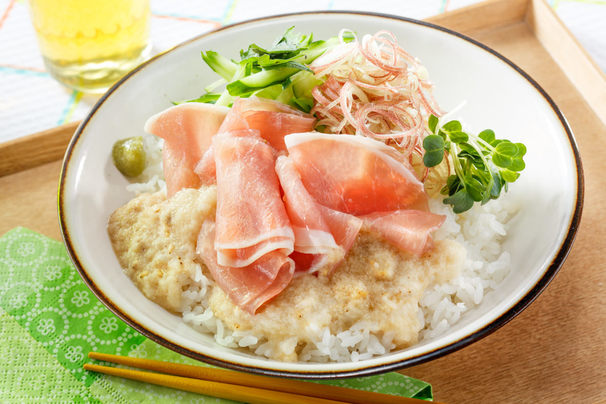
pixel 177 170
pixel 409 230
pixel 251 219
pixel 251 286
pixel 205 169
pixel 272 119
pixel 187 130
pixel 344 229
pixel 312 234
pixel 354 174
pixel 315 246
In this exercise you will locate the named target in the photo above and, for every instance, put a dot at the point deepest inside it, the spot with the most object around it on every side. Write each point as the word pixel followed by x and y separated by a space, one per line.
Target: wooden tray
pixel 554 350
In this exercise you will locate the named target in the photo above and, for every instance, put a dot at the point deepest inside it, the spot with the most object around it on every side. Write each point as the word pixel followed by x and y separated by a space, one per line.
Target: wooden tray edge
pixel 35 149
pixel 569 54
pixel 483 15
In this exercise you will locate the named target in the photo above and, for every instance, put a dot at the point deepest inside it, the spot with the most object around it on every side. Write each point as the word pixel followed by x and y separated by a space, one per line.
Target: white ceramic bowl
pixel 499 95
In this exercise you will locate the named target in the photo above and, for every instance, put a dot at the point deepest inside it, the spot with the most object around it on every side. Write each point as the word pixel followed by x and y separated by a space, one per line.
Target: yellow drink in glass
pixel 89 44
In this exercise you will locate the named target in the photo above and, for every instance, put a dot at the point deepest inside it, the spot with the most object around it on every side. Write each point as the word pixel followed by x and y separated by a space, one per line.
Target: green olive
pixel 129 156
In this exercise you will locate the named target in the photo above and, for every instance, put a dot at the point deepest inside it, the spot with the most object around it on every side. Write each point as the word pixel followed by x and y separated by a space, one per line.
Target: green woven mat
pixel 51 320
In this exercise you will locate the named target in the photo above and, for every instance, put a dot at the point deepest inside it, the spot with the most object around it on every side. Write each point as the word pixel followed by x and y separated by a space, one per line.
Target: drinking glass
pixel 89 44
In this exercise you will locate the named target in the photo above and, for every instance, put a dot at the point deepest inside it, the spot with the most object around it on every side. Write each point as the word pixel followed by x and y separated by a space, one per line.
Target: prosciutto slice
pixel 206 169
pixel 177 170
pixel 272 119
pixel 344 227
pixel 251 219
pixel 409 230
pixel 354 174
pixel 322 236
pixel 312 234
pixel 187 130
pixel 250 286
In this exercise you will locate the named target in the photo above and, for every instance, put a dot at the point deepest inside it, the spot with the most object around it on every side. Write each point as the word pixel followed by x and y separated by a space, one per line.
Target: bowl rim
pixel 362 370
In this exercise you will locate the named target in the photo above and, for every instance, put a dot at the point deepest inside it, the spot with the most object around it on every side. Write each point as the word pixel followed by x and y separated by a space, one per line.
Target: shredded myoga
pixel 376 89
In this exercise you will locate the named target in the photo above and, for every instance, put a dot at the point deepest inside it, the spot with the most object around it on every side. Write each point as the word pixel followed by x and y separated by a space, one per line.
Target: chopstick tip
pixel 97 355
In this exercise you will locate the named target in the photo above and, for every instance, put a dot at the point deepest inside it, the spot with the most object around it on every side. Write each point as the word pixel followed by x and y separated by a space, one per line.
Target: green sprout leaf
pixel 460 201
pixel 509 176
pixel 434 150
pixel 521 149
pixel 483 164
pixel 517 164
pixel 469 153
pixel 502 161
pixel 487 135
pixel 452 126
pixel 453 185
pixel 475 188
pixel 458 137
pixel 432 123
pixel 497 185
pixel 504 154
pixel 506 148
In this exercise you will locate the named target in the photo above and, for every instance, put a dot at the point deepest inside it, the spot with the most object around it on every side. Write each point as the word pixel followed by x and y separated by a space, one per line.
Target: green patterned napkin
pixel 51 320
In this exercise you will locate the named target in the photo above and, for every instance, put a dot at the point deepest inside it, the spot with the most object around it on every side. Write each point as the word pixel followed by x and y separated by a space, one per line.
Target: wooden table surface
pixel 554 351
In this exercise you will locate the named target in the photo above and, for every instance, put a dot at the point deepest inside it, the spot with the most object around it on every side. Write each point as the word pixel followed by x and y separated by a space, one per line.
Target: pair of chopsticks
pixel 237 386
